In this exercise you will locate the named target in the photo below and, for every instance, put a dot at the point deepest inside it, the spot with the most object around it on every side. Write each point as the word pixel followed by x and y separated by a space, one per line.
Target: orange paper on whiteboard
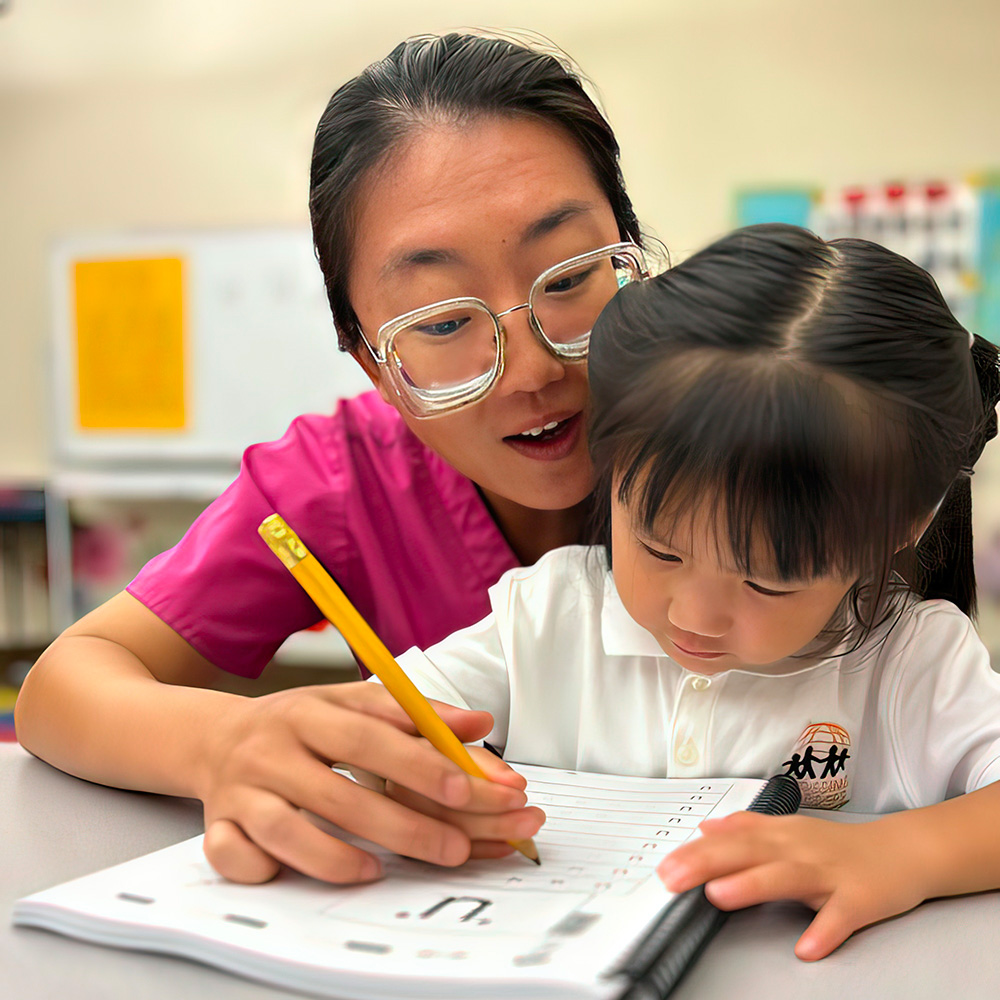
pixel 130 344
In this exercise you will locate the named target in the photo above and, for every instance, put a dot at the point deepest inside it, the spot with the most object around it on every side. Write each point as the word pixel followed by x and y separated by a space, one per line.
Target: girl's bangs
pixel 795 468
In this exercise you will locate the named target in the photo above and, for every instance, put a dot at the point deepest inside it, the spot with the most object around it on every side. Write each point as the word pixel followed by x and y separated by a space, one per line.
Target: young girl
pixel 783 431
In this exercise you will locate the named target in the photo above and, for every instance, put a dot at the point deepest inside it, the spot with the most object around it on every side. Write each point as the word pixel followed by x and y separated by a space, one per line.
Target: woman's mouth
pixel 548 441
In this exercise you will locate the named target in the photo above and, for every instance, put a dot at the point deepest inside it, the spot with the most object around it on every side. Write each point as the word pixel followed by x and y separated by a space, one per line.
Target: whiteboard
pixel 260 347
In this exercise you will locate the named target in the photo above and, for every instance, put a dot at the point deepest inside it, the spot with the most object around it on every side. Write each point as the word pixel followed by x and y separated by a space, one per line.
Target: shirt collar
pixel 620 633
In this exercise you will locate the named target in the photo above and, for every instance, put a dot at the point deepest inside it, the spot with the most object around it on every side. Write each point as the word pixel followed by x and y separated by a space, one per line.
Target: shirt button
pixel 700 683
pixel 686 754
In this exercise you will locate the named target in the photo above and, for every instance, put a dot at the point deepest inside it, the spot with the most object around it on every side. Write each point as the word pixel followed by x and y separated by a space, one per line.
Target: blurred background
pixel 145 132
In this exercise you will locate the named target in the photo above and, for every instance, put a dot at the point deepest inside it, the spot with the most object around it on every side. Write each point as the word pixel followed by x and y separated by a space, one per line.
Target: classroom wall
pixel 177 114
pixel 120 114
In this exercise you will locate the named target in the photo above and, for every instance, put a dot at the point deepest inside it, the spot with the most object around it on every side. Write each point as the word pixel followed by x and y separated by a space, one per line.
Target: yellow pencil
pixel 333 602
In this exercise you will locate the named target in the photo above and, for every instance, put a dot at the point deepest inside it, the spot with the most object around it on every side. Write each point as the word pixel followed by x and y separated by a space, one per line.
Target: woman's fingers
pixel 496 769
pixel 406 822
pixel 429 834
pixel 374 700
pixel 515 824
pixel 273 761
pixel 283 833
pixel 235 856
pixel 490 849
pixel 365 813
pixel 352 737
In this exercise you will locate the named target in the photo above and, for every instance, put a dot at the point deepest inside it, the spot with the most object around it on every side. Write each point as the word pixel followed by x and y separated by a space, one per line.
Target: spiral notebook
pixel 491 928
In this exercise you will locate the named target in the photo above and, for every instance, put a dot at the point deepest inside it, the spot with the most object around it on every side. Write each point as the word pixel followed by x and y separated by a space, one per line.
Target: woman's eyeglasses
pixel 448 355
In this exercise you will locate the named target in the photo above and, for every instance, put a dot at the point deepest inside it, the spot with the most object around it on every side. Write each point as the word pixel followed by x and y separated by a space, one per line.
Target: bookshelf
pixel 24 605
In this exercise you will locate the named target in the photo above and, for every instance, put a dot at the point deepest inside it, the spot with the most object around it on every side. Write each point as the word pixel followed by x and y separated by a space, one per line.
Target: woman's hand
pixel 489 832
pixel 121 699
pixel 851 874
pixel 268 758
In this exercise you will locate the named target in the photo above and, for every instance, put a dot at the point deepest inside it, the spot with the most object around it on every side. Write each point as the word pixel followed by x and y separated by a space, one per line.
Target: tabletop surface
pixel 54 827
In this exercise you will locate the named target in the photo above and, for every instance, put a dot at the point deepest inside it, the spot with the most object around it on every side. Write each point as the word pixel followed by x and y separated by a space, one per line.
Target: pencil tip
pixel 527 848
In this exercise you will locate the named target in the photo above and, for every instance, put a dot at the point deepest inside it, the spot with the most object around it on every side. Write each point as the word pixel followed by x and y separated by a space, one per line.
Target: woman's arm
pixel 851 874
pixel 122 699
pixel 103 701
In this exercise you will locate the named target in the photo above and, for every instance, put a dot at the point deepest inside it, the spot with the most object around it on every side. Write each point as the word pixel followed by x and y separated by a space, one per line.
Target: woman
pixel 458 168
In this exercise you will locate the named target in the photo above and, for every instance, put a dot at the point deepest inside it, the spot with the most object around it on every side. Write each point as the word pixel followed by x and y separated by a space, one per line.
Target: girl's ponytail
pixel 944 553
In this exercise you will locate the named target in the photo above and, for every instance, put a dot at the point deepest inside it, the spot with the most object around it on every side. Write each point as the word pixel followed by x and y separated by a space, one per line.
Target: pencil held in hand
pixel 370 650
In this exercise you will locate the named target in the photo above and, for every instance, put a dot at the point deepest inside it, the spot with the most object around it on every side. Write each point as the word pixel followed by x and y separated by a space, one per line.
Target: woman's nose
pixel 528 365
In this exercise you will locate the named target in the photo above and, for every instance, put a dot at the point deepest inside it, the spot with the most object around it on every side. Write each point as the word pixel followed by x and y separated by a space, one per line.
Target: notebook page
pixel 489 928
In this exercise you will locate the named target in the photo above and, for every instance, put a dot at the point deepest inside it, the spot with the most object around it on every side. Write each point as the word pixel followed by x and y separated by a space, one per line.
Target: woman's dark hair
pixel 452 78
pixel 819 397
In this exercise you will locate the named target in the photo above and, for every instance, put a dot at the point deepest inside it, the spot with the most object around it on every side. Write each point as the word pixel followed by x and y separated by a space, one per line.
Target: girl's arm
pixel 852 874
pixel 121 699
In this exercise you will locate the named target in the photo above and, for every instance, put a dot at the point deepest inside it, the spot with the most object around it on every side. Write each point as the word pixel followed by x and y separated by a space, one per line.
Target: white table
pixel 54 827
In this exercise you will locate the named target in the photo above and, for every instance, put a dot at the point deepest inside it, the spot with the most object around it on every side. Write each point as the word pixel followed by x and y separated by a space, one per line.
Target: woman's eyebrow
pixel 553 220
pixel 411 257
pixel 416 256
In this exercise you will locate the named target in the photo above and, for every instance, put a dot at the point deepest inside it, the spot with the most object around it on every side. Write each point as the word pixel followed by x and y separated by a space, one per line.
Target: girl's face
pixel 681 584
pixel 481 211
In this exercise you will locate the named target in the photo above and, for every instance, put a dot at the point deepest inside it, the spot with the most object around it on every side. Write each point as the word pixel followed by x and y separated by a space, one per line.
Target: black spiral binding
pixel 780 796
pixel 689 921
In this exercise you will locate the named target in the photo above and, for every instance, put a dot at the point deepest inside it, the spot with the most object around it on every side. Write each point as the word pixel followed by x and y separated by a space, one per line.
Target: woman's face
pixel 481 211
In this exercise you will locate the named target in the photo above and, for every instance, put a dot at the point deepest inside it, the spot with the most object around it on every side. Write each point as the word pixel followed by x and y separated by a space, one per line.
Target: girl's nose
pixel 528 366
pixel 699 612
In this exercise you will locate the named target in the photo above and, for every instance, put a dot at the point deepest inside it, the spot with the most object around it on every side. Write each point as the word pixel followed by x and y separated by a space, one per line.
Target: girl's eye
pixel 662 556
pixel 767 592
pixel 445 328
pixel 569 281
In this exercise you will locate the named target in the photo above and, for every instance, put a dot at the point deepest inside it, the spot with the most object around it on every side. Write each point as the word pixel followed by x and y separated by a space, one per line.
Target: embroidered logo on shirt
pixel 819 763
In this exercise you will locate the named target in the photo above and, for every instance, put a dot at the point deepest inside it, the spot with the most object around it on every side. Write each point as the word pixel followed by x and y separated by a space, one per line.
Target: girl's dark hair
pixel 426 80
pixel 819 397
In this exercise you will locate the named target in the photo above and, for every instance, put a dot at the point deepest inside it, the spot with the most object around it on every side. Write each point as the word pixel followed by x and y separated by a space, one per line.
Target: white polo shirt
pixel 909 719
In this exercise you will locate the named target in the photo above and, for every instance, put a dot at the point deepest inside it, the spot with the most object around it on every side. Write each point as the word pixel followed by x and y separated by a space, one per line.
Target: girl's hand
pixel 851 874
pixel 269 758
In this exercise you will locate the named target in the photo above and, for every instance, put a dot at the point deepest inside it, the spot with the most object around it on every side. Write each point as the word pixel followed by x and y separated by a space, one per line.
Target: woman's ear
pixel 371 369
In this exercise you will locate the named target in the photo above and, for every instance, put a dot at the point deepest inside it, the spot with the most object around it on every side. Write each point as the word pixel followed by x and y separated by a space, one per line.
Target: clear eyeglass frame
pixel 433 402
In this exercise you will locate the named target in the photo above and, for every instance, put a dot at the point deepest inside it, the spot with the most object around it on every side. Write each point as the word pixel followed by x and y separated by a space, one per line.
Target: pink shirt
pixel 407 537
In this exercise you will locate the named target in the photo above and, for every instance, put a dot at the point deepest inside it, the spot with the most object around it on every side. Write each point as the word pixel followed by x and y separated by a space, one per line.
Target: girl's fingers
pixel 830 928
pixel 711 858
pixel 235 857
pixel 767 882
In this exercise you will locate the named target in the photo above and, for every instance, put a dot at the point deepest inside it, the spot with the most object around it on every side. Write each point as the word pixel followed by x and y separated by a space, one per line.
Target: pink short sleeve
pixel 406 536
